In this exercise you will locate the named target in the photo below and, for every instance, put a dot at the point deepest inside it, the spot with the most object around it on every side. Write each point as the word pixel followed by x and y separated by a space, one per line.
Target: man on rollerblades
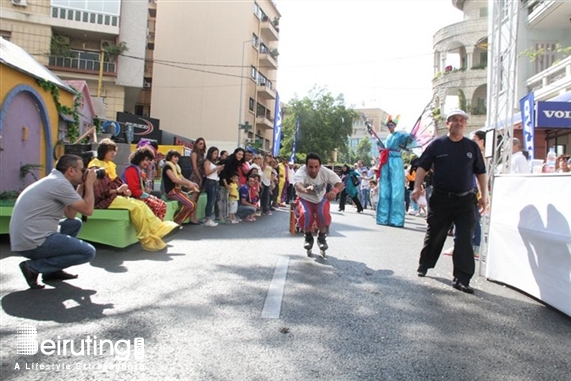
pixel 310 183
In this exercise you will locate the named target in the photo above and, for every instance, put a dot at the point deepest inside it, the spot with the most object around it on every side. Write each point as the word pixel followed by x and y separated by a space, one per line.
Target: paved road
pixel 362 314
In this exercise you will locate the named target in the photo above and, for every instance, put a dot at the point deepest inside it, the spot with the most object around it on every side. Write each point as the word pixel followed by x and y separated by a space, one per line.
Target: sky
pixel 377 53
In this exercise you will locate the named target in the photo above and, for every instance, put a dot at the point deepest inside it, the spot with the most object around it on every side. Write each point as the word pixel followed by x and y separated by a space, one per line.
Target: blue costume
pixel 390 208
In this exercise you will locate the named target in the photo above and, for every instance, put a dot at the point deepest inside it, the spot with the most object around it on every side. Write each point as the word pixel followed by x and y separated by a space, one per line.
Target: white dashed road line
pixel 273 303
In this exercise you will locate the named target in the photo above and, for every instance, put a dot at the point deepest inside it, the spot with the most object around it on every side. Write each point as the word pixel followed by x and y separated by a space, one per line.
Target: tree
pixel 325 124
pixel 364 151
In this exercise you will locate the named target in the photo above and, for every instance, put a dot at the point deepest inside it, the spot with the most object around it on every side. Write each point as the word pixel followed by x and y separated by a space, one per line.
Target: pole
pixel 100 74
pixel 241 91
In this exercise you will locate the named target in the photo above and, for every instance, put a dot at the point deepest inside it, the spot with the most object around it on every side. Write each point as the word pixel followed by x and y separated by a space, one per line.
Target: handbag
pixel 354 180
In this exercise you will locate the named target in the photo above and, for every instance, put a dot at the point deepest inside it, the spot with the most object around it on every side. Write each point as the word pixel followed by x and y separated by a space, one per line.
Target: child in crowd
pixel 233 198
pixel 374 193
pixel 364 190
pixel 422 204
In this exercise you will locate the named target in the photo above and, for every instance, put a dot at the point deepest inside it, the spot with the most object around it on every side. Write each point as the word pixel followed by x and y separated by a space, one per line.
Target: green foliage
pixel 407 156
pixel 59 46
pixel 325 124
pixel 72 128
pixel 461 100
pixel 346 155
pixel 364 151
pixel 9 195
pixel 114 51
pixel 533 53
pixel 27 169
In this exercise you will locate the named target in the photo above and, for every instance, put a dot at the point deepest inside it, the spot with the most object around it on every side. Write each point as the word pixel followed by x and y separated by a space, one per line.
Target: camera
pixel 100 173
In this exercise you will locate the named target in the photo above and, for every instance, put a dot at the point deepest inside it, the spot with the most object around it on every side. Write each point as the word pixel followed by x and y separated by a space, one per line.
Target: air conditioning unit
pixel 106 43
pixel 20 3
pixel 247 140
pixel 147 85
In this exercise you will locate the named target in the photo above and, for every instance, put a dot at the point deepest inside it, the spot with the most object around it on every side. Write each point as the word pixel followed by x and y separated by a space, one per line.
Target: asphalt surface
pixel 361 314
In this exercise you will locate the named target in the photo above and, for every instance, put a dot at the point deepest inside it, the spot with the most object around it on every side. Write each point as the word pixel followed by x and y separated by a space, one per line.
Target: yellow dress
pixel 282 181
pixel 150 229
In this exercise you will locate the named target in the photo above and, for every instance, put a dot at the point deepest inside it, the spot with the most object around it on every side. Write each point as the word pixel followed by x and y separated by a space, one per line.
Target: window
pixel 255 40
pixel 484 59
pixel 484 12
pixel 251 105
pixel 253 72
pixel 260 111
pixel 6 35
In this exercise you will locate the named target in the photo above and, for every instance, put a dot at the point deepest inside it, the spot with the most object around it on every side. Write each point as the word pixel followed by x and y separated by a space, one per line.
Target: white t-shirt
pixel 324 176
pixel 519 163
pixel 214 175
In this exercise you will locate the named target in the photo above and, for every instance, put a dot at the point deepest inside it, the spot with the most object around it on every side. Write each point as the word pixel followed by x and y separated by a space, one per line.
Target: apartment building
pixel 377 117
pixel 69 37
pixel 215 68
pixel 460 63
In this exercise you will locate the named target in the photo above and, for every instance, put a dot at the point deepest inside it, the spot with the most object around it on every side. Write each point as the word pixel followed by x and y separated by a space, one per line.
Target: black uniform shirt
pixel 455 163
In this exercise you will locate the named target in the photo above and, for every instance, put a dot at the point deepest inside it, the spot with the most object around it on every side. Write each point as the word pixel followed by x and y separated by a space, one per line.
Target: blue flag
pixel 527 104
pixel 277 127
pixel 292 157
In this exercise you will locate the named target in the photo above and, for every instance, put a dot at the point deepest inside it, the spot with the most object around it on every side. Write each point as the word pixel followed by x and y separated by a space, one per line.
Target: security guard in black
pixel 454 164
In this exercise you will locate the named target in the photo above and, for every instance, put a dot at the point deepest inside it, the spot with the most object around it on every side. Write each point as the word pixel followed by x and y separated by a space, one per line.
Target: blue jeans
pixel 364 197
pixel 60 250
pixel 211 188
pixel 245 210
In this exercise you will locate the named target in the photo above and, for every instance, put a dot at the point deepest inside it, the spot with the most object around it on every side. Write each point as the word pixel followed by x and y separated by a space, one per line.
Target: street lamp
pixel 241 91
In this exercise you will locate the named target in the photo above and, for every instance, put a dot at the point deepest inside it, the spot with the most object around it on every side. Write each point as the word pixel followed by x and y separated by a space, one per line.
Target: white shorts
pixel 232 207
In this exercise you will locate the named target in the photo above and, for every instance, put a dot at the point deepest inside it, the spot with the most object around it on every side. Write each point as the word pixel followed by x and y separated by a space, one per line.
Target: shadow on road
pixel 63 304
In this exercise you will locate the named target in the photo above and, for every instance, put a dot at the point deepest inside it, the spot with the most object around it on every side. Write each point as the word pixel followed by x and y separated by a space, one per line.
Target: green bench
pixel 107 226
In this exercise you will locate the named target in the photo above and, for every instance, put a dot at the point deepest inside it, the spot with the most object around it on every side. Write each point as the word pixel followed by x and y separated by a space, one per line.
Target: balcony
pixel 85 16
pixel 267 61
pixel 266 92
pixel 551 82
pixel 81 65
pixel 264 121
pixel 269 31
pixel 460 78
pixel 548 14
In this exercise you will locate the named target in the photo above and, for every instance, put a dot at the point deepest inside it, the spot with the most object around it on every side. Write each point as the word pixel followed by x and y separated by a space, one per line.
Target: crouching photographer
pixel 37 230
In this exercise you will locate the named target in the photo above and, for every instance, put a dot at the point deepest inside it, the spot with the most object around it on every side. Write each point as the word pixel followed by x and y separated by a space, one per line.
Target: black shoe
pixel 321 242
pixel 31 276
pixel 308 244
pixel 58 275
pixel 462 287
pixel 421 271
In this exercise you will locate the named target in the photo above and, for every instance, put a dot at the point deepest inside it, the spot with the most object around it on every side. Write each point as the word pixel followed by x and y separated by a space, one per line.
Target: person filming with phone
pixel 37 230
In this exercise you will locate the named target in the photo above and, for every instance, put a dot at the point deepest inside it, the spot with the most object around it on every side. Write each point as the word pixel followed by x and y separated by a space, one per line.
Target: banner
pixel 277 127
pixel 526 105
pixel 292 157
pixel 554 114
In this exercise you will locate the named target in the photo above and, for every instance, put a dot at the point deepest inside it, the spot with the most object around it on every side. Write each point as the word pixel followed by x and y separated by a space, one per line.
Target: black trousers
pixel 265 198
pixel 355 199
pixel 445 210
